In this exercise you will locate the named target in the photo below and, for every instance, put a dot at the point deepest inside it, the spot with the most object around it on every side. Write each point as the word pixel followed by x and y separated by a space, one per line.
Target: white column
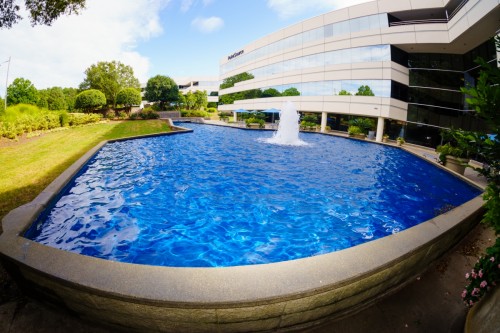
pixel 235 116
pixel 380 129
pixel 324 118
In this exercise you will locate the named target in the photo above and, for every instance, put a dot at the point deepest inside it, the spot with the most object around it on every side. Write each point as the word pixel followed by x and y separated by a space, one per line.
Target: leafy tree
pixel 292 91
pixel 344 92
pixel 129 97
pixel 161 89
pixel 52 99
pixel 484 98
pixel 201 99
pixel 181 101
pixel 190 100
pixel 365 91
pixel 365 124
pixel 232 80
pixel 70 97
pixel 39 11
pixel 90 100
pixel 2 106
pixel 110 78
pixel 21 91
pixel 271 92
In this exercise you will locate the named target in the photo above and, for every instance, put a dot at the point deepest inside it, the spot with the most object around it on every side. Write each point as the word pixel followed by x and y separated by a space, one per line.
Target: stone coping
pixel 403 255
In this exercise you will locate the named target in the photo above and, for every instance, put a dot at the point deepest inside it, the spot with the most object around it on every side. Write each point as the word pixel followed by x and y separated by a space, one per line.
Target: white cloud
pixel 58 55
pixel 208 24
pixel 186 5
pixel 290 8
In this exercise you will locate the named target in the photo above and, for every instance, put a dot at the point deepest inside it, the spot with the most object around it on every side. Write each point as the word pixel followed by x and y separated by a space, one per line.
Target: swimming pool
pixel 223 197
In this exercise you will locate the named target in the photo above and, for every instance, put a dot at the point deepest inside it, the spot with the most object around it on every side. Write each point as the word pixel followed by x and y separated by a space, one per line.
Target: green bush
pixel 76 119
pixel 254 120
pixel 122 115
pixel 110 114
pixel 354 130
pixel 212 110
pixel 365 124
pixel 194 113
pixel 146 113
pixel 64 119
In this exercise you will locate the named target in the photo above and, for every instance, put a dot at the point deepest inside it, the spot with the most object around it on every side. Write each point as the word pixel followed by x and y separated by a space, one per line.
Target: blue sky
pixel 177 38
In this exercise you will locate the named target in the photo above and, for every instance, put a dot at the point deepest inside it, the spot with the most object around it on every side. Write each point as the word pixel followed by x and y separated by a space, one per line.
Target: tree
pixel 271 92
pixel 110 78
pixel 181 101
pixel 161 89
pixel 344 92
pixel 52 99
pixel 365 91
pixel 2 106
pixel 21 91
pixel 292 91
pixel 201 99
pixel 90 100
pixel 39 11
pixel 232 80
pixel 484 98
pixel 129 97
pixel 190 100
pixel 70 97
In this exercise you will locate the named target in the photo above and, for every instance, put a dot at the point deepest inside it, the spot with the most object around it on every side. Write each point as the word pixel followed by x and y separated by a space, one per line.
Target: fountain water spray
pixel 288 128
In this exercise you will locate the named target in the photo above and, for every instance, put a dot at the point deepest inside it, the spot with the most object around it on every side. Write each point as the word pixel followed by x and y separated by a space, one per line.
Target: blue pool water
pixel 223 197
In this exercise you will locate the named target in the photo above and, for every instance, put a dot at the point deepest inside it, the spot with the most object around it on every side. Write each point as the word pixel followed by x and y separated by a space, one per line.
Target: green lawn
pixel 27 167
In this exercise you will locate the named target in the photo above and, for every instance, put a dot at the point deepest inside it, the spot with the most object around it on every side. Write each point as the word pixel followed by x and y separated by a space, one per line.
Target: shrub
pixel 212 110
pixel 122 115
pixel 354 130
pixel 365 124
pixel 76 119
pixel 484 276
pixel 194 113
pixel 110 114
pixel 89 100
pixel 64 119
pixel 145 114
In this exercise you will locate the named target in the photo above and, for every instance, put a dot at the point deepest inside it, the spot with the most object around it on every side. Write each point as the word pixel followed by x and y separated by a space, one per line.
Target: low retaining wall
pixel 279 296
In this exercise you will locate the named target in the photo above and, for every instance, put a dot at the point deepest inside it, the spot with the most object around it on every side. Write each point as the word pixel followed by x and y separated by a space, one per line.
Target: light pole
pixel 6 81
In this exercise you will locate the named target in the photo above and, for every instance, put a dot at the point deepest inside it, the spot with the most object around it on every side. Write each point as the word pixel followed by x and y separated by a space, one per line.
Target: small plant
pixel 448 149
pixel 261 122
pixel 484 276
pixel 400 140
pixel 354 130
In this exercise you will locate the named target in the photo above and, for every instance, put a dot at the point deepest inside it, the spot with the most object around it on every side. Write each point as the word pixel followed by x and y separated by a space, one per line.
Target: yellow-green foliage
pixel 26 118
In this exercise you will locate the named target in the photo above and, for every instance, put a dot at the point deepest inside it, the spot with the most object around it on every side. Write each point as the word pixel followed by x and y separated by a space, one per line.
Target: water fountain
pixel 284 295
pixel 288 128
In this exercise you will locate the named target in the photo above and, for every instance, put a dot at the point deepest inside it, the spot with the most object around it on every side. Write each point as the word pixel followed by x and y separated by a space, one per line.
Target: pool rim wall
pixel 284 295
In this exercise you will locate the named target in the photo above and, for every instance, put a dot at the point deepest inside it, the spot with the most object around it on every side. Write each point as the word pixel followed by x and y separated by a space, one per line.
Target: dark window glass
pixel 399 91
pixel 399 56
pixel 436 79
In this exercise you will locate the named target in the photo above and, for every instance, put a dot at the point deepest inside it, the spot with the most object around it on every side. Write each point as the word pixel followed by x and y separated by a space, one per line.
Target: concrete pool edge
pixel 260 297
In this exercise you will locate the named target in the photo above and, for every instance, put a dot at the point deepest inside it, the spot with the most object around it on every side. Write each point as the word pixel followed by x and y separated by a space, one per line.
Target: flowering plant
pixel 484 276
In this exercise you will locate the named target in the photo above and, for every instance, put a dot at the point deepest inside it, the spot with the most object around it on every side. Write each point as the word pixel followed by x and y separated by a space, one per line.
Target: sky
pixel 176 38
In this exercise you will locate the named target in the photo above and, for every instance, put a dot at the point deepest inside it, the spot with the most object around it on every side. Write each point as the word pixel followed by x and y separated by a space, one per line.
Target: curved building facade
pixel 399 62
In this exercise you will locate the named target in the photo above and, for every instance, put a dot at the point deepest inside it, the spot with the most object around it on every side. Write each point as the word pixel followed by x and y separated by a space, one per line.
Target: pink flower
pixel 471 303
pixel 464 293
pixel 492 259
pixel 483 284
pixel 467 275
pixel 475 292
pixel 480 273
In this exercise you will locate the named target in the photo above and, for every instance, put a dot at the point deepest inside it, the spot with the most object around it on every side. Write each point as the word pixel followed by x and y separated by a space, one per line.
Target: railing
pixel 455 11
pixel 427 21
pixel 449 16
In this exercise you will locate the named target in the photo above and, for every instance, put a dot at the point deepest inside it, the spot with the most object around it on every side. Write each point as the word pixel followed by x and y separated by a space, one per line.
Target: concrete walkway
pixel 430 303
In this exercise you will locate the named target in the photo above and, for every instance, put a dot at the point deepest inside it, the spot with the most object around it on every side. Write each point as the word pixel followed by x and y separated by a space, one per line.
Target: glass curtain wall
pixel 435 99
